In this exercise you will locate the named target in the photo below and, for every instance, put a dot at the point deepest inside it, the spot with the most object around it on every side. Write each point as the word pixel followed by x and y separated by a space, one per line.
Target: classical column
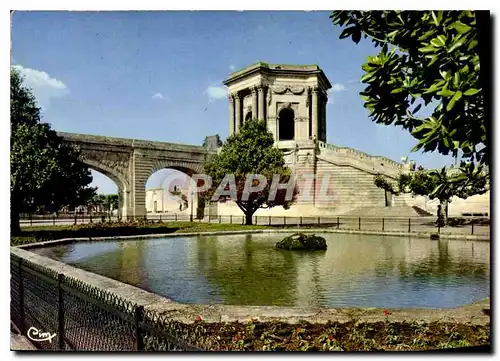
pixel 237 110
pixel 262 102
pixel 231 114
pixel 254 103
pixel 314 113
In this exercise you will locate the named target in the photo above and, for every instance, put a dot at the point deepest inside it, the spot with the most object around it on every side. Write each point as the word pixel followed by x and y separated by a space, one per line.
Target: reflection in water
pixel 356 270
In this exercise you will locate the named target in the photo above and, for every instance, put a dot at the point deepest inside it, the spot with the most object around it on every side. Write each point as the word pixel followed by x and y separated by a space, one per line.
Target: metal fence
pixel 81 317
pixel 458 225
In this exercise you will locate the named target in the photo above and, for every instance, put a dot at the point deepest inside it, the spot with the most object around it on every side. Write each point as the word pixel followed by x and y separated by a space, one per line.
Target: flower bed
pixel 334 336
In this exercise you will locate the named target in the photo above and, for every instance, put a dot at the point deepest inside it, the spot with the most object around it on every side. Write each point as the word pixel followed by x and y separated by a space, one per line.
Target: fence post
pixel 22 326
pixel 176 217
pixel 90 217
pixel 338 222
pixel 359 224
pixel 230 219
pixel 439 228
pixel 138 318
pixel 301 221
pixel 60 312
pixel 31 219
pixel 269 220
pixel 383 225
pixel 53 219
pixel 220 219
pixel 319 221
pixel 409 225
pixel 284 220
pixel 472 230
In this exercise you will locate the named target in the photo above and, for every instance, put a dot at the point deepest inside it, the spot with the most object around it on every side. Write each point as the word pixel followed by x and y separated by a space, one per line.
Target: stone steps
pixel 401 211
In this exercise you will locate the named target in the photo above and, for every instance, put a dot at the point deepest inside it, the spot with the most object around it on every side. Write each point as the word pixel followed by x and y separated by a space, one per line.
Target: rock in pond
pixel 301 241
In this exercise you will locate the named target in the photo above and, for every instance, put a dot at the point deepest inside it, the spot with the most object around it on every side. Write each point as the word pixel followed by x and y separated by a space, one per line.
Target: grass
pixel 113 229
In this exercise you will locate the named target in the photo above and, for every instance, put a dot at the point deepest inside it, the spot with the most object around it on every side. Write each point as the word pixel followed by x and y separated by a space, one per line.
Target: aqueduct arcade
pixel 130 162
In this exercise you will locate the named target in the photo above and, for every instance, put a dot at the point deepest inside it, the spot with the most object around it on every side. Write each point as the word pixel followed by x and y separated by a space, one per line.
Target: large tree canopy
pixel 45 171
pixel 431 58
pixel 250 152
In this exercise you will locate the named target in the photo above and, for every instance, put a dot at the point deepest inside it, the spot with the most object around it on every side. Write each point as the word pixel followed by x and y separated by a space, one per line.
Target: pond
pixel 355 271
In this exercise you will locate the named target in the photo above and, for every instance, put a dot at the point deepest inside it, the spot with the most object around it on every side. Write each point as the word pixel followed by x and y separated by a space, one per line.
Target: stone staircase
pixel 422 212
pixel 388 212
pixel 343 156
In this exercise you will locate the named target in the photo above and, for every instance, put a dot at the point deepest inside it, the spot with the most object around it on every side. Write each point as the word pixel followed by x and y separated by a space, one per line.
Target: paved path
pixel 20 343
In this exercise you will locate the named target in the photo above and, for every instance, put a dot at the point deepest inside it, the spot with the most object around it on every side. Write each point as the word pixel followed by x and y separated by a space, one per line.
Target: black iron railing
pixel 472 225
pixel 74 315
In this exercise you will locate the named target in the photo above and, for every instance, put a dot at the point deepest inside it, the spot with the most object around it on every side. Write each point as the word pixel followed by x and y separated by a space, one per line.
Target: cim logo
pixel 38 336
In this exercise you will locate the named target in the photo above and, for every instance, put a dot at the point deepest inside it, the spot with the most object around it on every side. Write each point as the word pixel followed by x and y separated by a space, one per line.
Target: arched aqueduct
pixel 130 162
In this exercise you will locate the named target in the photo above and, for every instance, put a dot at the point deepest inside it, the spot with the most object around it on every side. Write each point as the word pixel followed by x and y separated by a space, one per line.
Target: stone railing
pixel 361 155
pixel 100 140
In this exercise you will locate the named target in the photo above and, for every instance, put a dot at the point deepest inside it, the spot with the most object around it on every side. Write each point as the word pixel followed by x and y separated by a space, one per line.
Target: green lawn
pixel 48 233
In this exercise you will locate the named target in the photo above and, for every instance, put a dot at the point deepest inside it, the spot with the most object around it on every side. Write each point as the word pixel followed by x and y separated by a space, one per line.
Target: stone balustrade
pixel 361 155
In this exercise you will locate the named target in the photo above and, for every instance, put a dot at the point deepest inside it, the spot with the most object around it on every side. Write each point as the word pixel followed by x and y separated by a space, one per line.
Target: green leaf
pixel 426 35
pixel 439 41
pixel 472 45
pixel 456 45
pixel 437 16
pixel 367 77
pixel 427 49
pixel 433 59
pixel 445 74
pixel 433 88
pixel 456 80
pixel 347 32
pixel 453 100
pixel 471 91
pixel 397 91
pixel 461 27
pixel 392 34
pixel 446 93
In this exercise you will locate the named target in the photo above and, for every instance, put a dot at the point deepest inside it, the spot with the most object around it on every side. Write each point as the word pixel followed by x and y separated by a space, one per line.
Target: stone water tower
pixel 292 100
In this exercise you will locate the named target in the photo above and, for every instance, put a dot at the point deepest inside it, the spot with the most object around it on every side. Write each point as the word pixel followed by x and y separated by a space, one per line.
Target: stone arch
pixel 119 179
pixel 189 168
pixel 186 167
pixel 286 124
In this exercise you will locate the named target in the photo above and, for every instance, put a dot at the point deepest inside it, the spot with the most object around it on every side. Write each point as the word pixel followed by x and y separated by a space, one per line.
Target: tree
pixel 45 172
pixel 250 152
pixel 111 202
pixel 427 57
pixel 216 140
pixel 440 184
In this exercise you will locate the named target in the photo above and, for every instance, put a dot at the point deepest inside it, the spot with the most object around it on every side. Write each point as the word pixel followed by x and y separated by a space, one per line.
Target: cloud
pixel 336 88
pixel 216 92
pixel 232 67
pixel 157 96
pixel 44 87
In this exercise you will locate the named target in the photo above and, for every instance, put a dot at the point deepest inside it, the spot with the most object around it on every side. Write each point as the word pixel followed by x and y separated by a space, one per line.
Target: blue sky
pixel 157 75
